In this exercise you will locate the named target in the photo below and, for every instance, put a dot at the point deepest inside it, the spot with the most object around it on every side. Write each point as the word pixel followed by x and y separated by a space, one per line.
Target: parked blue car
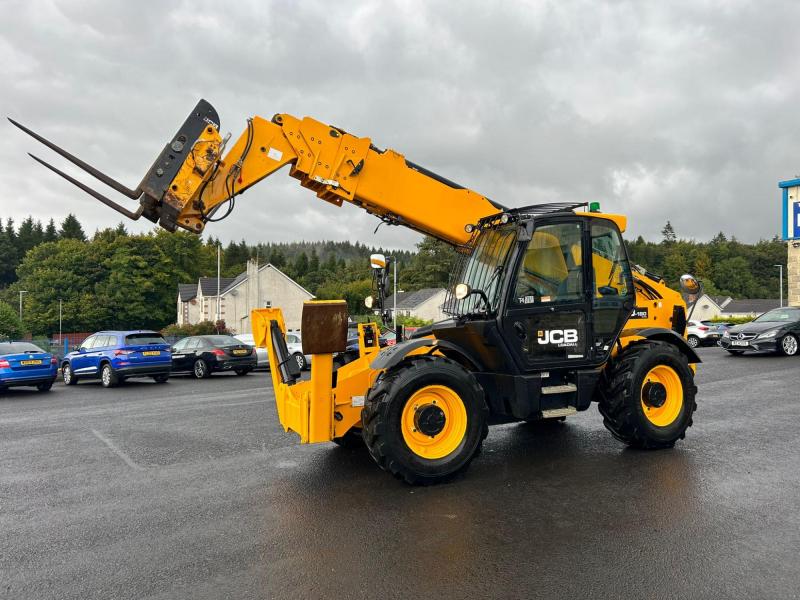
pixel 114 356
pixel 25 364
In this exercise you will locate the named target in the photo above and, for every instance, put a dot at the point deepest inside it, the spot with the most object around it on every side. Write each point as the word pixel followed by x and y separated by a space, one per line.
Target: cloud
pixel 681 111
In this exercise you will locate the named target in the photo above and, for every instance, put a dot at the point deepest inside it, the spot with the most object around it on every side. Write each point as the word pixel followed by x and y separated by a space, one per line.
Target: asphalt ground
pixel 191 490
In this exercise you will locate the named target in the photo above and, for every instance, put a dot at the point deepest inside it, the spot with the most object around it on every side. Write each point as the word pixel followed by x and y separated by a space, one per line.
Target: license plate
pixel 739 343
pixel 240 352
pixel 152 353
pixel 25 363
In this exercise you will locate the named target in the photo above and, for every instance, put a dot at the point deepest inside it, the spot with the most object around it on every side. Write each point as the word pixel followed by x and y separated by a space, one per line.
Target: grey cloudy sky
pixel 684 111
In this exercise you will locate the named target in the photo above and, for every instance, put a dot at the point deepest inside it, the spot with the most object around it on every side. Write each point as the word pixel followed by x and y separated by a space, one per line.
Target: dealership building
pixel 790 201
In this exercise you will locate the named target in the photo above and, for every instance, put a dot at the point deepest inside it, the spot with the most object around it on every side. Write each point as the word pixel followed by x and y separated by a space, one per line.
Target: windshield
pixel 137 339
pixel 222 340
pixel 780 315
pixel 18 348
pixel 483 270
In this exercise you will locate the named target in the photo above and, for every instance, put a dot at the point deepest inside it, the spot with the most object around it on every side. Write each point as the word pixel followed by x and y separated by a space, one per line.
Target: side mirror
pixel 377 261
pixel 690 284
pixel 81 350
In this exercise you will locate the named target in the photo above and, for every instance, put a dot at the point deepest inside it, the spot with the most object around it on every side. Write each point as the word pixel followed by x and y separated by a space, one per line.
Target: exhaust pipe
pixel 155 189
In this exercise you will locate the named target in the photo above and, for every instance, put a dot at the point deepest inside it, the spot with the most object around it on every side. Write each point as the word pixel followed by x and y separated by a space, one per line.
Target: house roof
pixel 187 291
pixel 411 300
pixel 208 285
pixel 751 305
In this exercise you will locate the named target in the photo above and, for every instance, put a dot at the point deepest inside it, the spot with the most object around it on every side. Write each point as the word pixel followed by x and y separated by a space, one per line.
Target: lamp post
pixel 60 312
pixel 781 275
pixel 20 303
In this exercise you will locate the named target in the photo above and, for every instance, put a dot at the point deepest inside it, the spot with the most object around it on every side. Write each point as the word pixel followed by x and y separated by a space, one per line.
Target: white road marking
pixel 127 459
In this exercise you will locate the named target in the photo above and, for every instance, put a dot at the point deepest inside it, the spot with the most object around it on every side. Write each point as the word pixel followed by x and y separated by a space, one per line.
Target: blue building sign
pixel 790 202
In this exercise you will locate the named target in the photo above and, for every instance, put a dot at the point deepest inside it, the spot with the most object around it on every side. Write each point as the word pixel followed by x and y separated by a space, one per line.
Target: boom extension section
pixel 193 178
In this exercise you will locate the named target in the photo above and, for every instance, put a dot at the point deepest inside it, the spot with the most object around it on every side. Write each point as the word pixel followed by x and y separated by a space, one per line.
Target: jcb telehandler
pixel 547 315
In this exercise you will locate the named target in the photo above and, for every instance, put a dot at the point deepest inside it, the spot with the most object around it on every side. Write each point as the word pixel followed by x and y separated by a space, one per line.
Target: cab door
pixel 546 318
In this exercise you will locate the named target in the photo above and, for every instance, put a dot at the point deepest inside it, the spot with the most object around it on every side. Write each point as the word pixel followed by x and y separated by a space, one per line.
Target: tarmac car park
pixel 192 490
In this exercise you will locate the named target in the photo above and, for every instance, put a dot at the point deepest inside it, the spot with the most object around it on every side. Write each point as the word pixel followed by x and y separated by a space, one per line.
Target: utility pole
pixel 394 291
pixel 219 252
pixel 20 303
pixel 781 268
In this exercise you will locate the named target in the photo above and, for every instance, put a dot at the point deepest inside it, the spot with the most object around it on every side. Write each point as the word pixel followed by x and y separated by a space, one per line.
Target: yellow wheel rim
pixel 424 411
pixel 668 411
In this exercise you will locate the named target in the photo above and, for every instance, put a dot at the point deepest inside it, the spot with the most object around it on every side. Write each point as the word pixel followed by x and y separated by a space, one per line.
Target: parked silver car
pixel 261 353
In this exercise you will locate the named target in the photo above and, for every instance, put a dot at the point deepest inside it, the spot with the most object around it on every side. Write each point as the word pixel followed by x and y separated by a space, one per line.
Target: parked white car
pixel 261 353
pixel 702 333
pixel 294 343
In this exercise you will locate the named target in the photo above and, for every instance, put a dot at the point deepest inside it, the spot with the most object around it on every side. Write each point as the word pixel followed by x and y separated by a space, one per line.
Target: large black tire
pixel 622 390
pixel 163 378
pixel 108 377
pixel 352 439
pixel 68 374
pixel 383 411
pixel 788 345
pixel 45 387
pixel 241 372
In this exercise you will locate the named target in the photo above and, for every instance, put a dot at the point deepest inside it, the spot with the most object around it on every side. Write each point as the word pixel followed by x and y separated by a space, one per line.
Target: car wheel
pixel 788 345
pixel 161 378
pixel 44 387
pixel 242 371
pixel 201 370
pixel 693 341
pixel 108 377
pixel 300 360
pixel 68 375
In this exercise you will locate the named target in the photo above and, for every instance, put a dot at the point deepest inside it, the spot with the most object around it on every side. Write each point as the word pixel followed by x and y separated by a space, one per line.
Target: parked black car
pixel 775 331
pixel 203 355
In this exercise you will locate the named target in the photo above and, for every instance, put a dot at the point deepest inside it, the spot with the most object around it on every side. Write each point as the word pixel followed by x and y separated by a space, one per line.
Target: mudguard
pixel 662 334
pixel 389 357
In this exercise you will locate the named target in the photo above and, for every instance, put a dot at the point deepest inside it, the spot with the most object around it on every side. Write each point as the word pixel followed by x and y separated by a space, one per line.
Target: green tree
pixel 668 234
pixel 71 229
pixel 8 257
pixel 10 325
pixel 432 265
pixel 50 232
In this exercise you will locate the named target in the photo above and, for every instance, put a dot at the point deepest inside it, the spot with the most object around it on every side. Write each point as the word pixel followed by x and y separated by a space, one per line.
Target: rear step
pixel 554 413
pixel 560 389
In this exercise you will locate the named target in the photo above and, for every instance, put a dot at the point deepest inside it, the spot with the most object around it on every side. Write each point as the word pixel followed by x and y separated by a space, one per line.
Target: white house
pixel 423 304
pixel 257 287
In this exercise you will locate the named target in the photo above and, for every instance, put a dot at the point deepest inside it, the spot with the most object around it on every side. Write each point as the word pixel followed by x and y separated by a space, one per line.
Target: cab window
pixel 552 268
pixel 609 264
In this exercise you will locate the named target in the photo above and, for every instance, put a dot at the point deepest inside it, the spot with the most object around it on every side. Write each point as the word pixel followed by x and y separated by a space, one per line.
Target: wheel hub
pixel 654 394
pixel 429 419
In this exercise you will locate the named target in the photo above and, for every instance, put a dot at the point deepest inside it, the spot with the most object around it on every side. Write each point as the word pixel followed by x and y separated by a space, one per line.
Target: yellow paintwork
pixel 455 428
pixel 665 414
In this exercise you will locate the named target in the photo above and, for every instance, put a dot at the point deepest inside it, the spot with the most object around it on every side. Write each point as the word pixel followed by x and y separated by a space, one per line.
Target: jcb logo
pixel 558 336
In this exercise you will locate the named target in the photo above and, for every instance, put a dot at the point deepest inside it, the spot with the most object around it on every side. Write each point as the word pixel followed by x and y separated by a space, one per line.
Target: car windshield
pixel 222 340
pixel 18 348
pixel 136 339
pixel 780 315
pixel 483 270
